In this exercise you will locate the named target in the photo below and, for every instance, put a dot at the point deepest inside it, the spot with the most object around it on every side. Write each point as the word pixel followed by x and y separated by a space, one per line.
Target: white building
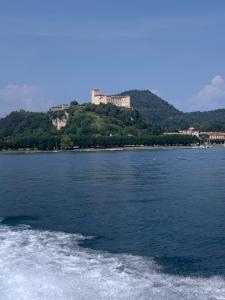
pixel 190 131
pixel 97 98
pixel 60 107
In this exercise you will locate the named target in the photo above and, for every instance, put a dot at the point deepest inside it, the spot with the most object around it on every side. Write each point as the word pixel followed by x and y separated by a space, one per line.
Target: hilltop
pixel 160 113
pixel 154 109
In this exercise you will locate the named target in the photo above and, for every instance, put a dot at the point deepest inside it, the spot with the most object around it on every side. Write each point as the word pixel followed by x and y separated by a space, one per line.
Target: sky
pixel 54 51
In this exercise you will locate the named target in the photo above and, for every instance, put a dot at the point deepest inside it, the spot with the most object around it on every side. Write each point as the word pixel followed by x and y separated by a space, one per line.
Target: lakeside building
pixel 190 131
pixel 60 107
pixel 213 136
pixel 97 98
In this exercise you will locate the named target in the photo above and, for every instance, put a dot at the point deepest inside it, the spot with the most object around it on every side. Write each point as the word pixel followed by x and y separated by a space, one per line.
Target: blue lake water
pixel 113 225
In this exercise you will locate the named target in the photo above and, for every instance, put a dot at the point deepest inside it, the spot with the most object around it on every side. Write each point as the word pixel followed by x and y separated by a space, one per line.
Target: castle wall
pixel 97 98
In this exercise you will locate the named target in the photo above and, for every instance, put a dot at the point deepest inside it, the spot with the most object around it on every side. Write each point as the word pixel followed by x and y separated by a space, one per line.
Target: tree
pixel 66 142
pixel 74 102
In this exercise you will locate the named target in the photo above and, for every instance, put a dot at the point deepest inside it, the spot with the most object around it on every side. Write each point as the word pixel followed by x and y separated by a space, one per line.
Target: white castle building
pixel 60 107
pixel 97 98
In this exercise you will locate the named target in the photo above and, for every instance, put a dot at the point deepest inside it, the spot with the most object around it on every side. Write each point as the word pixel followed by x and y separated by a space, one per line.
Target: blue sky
pixel 52 51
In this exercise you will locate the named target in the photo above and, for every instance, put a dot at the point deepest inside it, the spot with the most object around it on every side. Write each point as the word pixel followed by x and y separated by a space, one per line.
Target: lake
pixel 146 224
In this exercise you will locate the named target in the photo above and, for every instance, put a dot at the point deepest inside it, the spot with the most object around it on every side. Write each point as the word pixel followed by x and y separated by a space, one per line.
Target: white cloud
pixel 16 97
pixel 211 96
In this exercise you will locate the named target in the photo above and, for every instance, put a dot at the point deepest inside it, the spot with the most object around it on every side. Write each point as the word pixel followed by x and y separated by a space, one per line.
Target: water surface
pixel 121 225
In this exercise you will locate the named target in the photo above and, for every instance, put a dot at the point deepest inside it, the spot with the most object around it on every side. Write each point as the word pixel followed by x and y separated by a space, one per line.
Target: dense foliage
pixel 161 114
pixel 208 120
pixel 104 120
pixel 47 142
pixel 88 125
pixel 91 125
pixel 152 107
pixel 23 123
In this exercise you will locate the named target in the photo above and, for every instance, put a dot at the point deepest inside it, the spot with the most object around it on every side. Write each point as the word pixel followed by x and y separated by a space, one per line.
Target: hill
pixel 105 120
pixel 151 114
pixel 23 122
pixel 87 125
pixel 86 119
pixel 160 113
pixel 106 125
pixel 209 120
pixel 156 110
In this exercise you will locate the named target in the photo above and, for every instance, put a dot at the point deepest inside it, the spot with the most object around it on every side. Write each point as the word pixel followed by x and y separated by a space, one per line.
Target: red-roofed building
pixel 213 136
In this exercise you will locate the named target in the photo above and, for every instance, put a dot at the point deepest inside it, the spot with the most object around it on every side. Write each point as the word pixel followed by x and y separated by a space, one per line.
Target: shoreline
pixel 111 149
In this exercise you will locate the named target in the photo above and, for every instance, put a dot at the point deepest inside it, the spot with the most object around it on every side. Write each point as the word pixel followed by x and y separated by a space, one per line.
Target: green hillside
pixel 23 123
pixel 156 110
pixel 160 113
pixel 209 120
pixel 151 105
pixel 87 125
pixel 106 125
pixel 105 120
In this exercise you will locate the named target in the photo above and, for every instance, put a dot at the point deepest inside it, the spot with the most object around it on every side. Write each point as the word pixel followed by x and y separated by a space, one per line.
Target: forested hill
pixel 25 123
pixel 151 106
pixel 160 113
pixel 150 115
pixel 85 119
pixel 209 120
pixel 87 125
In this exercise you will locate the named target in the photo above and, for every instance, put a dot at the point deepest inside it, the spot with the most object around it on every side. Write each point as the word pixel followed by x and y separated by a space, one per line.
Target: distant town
pixel 211 136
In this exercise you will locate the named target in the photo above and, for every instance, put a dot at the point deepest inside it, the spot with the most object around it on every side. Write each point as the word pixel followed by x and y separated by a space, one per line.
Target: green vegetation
pixel 66 142
pixel 161 114
pixel 154 109
pixel 25 123
pixel 46 142
pixel 91 125
pixel 88 125
pixel 208 120
pixel 105 120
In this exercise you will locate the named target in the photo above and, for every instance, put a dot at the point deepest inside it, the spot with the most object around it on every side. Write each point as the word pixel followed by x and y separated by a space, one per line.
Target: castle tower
pixel 94 93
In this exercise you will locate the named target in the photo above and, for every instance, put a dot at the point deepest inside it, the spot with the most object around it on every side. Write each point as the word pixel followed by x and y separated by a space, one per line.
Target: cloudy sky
pixel 53 51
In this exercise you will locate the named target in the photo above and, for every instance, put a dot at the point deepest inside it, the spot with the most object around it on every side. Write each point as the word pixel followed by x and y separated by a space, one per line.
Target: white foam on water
pixel 51 265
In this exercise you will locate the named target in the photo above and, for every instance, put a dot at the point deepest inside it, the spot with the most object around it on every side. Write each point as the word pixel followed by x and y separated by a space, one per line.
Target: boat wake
pixel 52 265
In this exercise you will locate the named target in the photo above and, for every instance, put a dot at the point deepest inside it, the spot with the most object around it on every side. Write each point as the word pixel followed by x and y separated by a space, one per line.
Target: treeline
pixel 25 123
pixel 68 142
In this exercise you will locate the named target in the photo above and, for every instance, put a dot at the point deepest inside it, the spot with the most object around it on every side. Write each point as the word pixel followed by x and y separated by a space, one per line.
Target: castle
pixel 97 98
